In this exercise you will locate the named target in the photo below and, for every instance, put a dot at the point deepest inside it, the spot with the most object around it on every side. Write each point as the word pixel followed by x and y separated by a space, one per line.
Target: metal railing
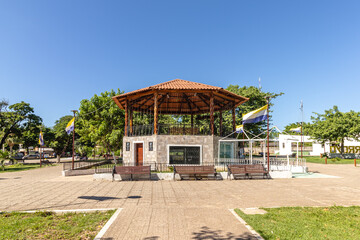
pixel 176 129
pixel 281 164
pixel 83 164
pixel 141 130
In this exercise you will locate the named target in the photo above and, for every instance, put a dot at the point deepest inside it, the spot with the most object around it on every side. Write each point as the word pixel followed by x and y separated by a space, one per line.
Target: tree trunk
pixel 342 146
pixel 58 158
pixel 6 134
pixel 113 153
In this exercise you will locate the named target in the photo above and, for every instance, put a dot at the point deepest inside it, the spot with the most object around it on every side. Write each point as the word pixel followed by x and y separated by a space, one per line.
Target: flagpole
pixel 73 149
pixel 302 121
pixel 268 137
pixel 40 145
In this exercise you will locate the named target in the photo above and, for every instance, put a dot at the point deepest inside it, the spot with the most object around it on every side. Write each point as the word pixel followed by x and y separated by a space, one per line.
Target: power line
pixel 97 108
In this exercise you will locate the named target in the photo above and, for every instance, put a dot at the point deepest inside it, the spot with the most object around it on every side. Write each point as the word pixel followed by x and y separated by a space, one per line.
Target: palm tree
pixel 11 141
pixel 4 155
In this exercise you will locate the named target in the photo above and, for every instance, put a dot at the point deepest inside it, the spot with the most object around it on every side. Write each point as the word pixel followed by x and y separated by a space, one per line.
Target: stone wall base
pixel 67 173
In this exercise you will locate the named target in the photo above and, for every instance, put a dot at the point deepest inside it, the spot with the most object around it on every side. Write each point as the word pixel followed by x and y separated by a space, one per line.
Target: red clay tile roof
pixel 176 84
pixel 178 98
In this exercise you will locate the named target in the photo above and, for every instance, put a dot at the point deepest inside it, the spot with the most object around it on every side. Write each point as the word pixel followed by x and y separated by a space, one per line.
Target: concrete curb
pixel 107 225
pixel 71 210
pixel 256 235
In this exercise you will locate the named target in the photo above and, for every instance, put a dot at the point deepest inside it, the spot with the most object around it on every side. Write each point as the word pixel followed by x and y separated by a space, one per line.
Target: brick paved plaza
pixel 176 210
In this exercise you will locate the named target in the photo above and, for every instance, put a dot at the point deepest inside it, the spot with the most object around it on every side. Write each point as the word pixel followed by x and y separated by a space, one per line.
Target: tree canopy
pixel 307 128
pixel 257 99
pixel 18 119
pixel 101 121
pixel 59 139
pixel 335 126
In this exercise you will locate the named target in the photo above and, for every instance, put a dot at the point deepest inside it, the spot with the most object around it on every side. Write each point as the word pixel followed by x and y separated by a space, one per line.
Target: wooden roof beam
pixel 215 101
pixel 204 100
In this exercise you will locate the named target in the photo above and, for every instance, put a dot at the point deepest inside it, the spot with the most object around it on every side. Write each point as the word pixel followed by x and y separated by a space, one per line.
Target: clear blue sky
pixel 53 54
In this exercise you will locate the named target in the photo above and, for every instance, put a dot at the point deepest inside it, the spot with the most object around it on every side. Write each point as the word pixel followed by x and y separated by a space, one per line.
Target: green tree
pixel 11 141
pixel 101 121
pixel 14 117
pixel 335 126
pixel 29 131
pixel 256 100
pixel 59 140
pixel 307 128
pixel 4 155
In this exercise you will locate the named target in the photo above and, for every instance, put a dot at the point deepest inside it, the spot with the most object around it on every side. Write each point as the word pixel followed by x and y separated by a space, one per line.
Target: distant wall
pixel 159 154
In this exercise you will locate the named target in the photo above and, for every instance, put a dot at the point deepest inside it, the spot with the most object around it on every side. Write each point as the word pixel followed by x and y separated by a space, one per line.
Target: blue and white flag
pixel 239 128
pixel 70 126
pixel 256 115
pixel 298 129
pixel 41 138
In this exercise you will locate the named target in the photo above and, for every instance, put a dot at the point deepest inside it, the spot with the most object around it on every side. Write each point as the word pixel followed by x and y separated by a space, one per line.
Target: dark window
pixel 127 146
pixel 184 155
pixel 151 146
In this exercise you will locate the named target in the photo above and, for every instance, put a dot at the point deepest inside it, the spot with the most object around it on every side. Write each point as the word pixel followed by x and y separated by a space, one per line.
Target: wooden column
pixel 233 119
pixel 212 113
pixel 192 123
pixel 126 117
pixel 131 119
pixel 221 120
pixel 155 112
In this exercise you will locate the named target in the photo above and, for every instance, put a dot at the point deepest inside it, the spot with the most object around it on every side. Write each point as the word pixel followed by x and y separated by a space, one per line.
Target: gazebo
pixel 175 143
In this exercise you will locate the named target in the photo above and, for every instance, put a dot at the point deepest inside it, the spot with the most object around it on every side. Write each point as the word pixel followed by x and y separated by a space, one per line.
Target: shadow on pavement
pixel 97 198
pixel 103 198
pixel 207 233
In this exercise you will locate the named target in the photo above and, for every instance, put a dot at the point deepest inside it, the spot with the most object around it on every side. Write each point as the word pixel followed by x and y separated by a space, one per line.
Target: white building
pixel 289 144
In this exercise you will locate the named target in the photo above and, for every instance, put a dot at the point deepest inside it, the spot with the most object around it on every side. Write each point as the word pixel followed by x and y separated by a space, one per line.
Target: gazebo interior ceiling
pixel 179 97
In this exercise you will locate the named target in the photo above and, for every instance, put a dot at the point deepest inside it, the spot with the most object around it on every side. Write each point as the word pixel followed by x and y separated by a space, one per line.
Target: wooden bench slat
pixel 247 170
pixel 197 171
pixel 139 170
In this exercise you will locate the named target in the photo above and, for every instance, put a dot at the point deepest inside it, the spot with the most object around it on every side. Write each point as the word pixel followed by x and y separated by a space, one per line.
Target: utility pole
pixel 73 149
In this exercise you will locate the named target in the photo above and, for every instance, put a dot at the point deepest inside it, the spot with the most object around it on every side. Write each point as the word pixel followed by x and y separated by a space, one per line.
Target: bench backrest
pixel 194 169
pixel 255 167
pixel 132 169
pixel 237 168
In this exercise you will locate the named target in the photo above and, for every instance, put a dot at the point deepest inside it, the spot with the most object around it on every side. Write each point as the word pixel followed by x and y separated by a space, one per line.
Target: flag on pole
pixel 41 138
pixel 70 126
pixel 256 115
pixel 239 128
pixel 298 129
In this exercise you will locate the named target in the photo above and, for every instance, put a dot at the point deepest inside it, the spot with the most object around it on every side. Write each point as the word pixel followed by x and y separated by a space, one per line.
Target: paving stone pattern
pixel 180 209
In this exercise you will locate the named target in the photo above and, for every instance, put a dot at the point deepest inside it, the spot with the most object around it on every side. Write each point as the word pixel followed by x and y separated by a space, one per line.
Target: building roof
pixel 180 97
pixel 175 84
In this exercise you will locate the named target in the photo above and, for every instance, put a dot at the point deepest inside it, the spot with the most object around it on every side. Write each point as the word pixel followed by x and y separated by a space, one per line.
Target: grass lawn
pixel 47 225
pixel 22 167
pixel 306 223
pixel 317 159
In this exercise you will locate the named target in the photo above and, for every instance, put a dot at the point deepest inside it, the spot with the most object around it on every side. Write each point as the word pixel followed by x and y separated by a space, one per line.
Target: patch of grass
pixel 48 225
pixel 318 159
pixel 22 167
pixel 306 222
